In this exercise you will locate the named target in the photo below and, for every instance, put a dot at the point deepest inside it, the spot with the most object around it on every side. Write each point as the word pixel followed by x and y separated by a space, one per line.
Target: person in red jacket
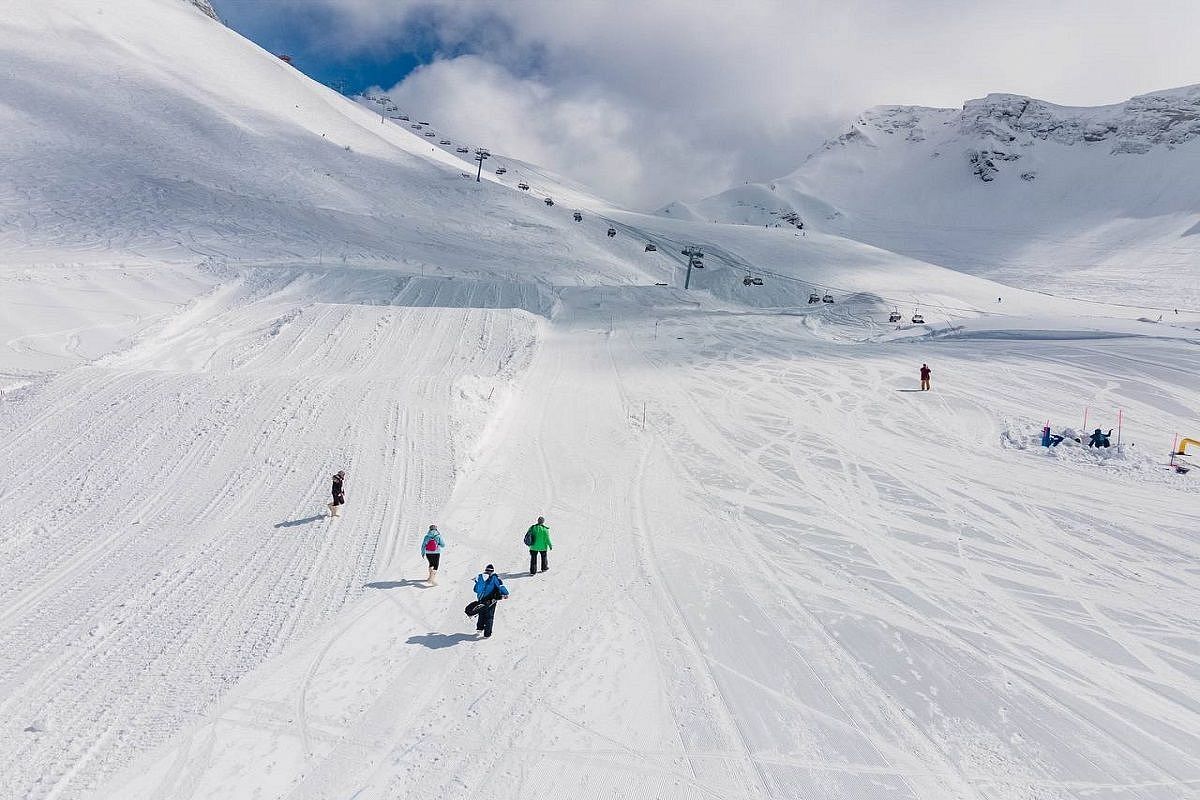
pixel 925 377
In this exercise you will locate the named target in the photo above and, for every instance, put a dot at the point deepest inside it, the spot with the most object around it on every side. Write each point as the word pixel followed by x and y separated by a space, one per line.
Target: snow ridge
pixel 1169 117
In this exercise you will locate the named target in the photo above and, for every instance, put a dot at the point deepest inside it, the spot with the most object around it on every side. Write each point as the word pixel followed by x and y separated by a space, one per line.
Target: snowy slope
pixel 201 144
pixel 1013 188
pixel 777 571
pixel 795 581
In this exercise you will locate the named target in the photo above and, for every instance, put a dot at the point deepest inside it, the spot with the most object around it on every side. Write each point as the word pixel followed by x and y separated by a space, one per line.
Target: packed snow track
pixel 795 578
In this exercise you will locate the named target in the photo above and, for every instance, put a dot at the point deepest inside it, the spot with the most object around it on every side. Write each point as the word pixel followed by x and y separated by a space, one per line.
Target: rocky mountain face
pixel 998 126
pixel 206 7
pixel 1166 118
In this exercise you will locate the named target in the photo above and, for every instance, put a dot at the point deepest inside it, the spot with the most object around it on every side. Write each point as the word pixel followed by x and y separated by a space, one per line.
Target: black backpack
pixel 495 595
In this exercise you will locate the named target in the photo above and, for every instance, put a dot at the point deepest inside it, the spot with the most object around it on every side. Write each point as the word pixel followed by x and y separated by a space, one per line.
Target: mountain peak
pixel 1007 184
pixel 1165 117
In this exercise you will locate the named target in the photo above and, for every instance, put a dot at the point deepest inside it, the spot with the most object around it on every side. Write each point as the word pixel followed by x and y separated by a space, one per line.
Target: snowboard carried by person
pixel 339 493
pixel 489 590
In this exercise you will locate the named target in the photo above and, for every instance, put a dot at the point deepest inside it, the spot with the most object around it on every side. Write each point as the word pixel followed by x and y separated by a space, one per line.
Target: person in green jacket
pixel 537 539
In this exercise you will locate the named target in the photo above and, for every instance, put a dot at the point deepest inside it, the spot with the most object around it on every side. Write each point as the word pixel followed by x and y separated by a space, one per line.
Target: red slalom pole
pixel 1120 414
pixel 1085 413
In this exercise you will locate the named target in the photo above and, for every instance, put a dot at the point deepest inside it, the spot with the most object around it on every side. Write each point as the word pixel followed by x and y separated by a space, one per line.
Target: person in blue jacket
pixel 431 550
pixel 490 590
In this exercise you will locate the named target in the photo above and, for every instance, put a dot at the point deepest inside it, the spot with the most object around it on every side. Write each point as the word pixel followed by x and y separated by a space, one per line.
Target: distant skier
pixel 1099 438
pixel 537 539
pixel 925 373
pixel 431 549
pixel 490 590
pixel 339 493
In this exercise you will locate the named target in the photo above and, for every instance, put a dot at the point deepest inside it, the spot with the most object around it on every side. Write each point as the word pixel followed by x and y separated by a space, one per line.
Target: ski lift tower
pixel 694 255
pixel 481 155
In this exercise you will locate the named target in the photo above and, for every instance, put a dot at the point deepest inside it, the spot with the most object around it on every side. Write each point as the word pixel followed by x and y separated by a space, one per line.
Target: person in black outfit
pixel 339 494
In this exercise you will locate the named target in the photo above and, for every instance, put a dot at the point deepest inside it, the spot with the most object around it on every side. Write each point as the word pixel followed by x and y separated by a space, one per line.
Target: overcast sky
pixel 654 100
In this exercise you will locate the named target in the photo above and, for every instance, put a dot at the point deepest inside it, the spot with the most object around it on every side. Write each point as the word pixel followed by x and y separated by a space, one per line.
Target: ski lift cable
pixel 732 260
pixel 737 263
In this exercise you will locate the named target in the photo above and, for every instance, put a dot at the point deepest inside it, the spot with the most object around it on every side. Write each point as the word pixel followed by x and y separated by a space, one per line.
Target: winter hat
pixel 341 473
pixel 489 569
pixel 433 527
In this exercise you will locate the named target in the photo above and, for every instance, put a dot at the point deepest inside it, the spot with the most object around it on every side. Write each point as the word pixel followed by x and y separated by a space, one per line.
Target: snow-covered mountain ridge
pixel 1169 117
pixel 1068 199
pixel 1010 122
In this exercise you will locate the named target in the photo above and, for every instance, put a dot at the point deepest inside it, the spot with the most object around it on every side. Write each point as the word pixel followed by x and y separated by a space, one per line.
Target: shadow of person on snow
pixel 910 390
pixel 508 576
pixel 291 523
pixel 436 641
pixel 395 584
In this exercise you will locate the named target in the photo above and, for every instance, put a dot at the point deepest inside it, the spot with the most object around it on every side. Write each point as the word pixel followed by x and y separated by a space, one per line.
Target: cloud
pixel 638 153
pixel 657 99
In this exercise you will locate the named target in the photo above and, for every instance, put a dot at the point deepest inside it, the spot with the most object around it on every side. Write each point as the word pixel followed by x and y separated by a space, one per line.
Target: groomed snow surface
pixel 799 578
pixel 779 570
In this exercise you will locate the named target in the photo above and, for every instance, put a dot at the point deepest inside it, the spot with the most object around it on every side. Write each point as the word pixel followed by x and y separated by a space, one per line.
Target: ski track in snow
pixel 779 571
pixel 171 531
pixel 797 581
